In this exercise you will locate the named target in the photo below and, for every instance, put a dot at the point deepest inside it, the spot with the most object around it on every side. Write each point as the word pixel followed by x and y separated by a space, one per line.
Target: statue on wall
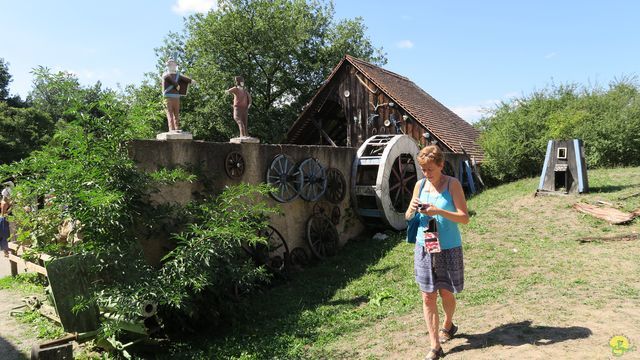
pixel 174 85
pixel 241 105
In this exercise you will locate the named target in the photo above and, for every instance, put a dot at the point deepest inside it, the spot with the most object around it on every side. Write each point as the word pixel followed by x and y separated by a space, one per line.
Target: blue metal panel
pixel 547 157
pixel 576 148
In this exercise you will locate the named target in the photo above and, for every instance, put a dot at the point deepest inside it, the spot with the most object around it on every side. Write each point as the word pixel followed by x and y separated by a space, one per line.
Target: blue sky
pixel 467 54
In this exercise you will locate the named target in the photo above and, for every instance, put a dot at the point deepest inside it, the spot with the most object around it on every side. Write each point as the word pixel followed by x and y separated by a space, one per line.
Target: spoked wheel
pixel 234 165
pixel 336 186
pixel 322 236
pixel 284 176
pixel 401 182
pixel 314 181
pixel 274 254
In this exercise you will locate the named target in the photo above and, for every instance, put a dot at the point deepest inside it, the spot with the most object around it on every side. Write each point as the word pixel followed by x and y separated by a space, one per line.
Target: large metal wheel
pixel 285 177
pixel 382 179
pixel 322 236
pixel 314 182
pixel 336 186
pixel 234 165
pixel 273 255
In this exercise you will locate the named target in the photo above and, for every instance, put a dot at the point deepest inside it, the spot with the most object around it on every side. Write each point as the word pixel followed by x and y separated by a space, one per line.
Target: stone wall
pixel 208 158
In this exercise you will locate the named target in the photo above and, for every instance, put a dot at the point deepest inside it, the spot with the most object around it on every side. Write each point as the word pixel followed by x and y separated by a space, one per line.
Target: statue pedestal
pixel 175 135
pixel 244 139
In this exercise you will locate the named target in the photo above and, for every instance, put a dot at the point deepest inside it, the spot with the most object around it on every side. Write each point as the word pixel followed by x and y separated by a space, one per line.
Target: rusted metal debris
pixel 606 213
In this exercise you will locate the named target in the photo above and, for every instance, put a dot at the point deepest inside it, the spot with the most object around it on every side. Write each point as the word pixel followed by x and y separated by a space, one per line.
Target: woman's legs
pixel 449 307
pixel 430 309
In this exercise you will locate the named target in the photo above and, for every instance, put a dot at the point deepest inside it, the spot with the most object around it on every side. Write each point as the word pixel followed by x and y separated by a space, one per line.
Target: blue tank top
pixel 448 231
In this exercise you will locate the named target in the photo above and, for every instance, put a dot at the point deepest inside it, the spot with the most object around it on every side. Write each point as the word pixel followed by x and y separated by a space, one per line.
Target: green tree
pixel 5 79
pixel 54 93
pixel 284 49
pixel 22 131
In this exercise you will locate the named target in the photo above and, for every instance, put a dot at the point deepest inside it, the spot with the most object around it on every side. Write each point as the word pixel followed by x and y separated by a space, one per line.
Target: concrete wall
pixel 208 158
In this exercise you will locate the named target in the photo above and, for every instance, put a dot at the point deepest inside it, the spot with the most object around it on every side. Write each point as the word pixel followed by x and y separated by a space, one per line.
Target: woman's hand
pixel 430 210
pixel 414 204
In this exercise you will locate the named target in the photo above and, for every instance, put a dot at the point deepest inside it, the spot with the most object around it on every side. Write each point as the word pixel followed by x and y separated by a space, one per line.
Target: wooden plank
pixel 609 214
pixel 27 264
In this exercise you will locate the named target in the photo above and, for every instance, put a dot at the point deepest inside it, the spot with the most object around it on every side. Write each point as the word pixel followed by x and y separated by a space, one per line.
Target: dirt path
pixel 506 332
pixel 15 337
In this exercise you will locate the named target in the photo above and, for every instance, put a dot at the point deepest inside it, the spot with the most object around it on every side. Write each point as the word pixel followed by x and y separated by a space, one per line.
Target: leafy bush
pixel 515 134
pixel 85 174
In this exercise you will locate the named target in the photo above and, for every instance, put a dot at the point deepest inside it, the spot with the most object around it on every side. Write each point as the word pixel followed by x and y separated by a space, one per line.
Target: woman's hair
pixel 430 154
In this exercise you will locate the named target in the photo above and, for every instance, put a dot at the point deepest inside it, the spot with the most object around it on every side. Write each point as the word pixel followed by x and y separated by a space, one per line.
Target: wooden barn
pixel 359 100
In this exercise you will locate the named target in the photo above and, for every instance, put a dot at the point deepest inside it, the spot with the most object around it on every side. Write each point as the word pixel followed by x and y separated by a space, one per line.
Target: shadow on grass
pixel 9 352
pixel 521 333
pixel 611 188
pixel 281 322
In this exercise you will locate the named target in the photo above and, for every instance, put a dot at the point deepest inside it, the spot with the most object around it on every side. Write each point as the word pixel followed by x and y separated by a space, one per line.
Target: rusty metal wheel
pixel 335 215
pixel 322 236
pixel 234 165
pixel 314 182
pixel 273 255
pixel 285 177
pixel 336 186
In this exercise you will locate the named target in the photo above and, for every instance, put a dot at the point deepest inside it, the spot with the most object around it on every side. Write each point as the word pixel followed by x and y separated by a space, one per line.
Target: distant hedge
pixel 514 135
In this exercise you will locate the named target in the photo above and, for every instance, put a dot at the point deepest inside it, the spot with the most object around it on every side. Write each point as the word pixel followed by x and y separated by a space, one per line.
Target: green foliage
pixel 165 176
pixel 515 134
pixel 284 49
pixel 43 327
pixel 22 131
pixel 5 79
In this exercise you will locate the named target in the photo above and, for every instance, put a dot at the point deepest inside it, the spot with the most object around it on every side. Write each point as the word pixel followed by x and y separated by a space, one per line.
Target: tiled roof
pixel 448 127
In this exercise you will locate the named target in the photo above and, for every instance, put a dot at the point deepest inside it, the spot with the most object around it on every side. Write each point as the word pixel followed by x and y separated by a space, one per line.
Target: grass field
pixel 533 290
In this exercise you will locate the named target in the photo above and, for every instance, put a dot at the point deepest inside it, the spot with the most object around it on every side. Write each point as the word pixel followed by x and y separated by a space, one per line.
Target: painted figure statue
pixel 174 85
pixel 241 105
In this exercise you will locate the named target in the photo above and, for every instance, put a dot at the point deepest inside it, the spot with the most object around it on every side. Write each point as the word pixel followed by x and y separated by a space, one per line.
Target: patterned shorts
pixel 443 270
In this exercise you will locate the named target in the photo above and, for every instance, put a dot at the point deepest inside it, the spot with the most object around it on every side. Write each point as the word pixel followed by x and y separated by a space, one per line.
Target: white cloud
pixel 405 44
pixel 550 55
pixel 182 7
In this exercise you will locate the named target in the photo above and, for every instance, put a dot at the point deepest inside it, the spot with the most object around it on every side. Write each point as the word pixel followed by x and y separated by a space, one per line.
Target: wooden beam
pixel 324 134
pixel 28 265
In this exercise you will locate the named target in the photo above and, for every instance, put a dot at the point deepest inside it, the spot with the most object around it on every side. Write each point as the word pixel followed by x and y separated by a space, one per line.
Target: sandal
pixel 446 335
pixel 435 354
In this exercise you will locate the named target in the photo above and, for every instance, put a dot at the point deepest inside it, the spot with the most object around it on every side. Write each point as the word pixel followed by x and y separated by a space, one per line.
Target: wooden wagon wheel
pixel 336 186
pixel 234 165
pixel 402 179
pixel 322 236
pixel 285 177
pixel 314 181
pixel 335 215
pixel 272 255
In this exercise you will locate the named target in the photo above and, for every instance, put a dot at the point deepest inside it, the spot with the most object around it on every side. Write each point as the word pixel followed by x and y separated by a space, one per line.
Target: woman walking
pixel 441 198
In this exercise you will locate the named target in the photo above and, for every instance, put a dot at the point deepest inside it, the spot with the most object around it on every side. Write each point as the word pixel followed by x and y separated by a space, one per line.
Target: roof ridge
pixel 377 67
